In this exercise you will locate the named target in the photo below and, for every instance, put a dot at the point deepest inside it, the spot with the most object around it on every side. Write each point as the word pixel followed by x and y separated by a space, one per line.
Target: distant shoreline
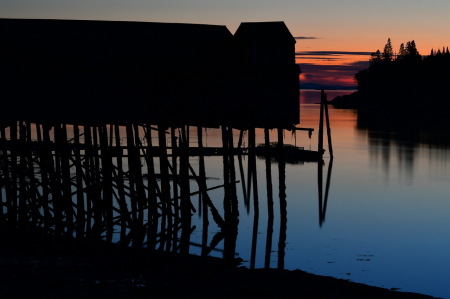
pixel 327 89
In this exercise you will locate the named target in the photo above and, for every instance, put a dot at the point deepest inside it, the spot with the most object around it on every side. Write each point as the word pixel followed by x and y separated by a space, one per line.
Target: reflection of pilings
pixel 45 163
pixel 203 209
pixel 152 212
pixel 4 181
pixel 165 183
pixel 185 204
pixel 13 169
pixel 175 185
pixel 230 199
pixel 107 182
pixel 244 188
pixel 66 179
pixel 252 170
pixel 88 161
pixel 91 185
pixel 78 183
pixel 251 151
pixel 269 203
pixel 283 203
pixel 23 194
pixel 124 215
pixel 96 187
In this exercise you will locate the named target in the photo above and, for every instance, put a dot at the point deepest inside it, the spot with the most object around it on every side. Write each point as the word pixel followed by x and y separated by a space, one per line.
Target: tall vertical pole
pixel 320 145
pixel 327 120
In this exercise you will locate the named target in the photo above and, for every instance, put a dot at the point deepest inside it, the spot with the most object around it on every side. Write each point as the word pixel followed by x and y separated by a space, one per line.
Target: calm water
pixel 383 220
pixel 386 221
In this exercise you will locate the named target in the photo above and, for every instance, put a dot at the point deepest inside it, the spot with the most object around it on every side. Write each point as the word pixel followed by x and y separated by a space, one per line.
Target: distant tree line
pixel 402 89
pixel 405 80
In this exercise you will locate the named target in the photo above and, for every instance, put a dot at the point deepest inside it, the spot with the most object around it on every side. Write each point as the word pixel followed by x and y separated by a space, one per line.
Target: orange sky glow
pixel 329 33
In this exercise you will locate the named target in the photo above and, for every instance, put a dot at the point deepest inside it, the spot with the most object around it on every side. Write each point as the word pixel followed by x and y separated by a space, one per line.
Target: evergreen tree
pixel 375 57
pixel 411 49
pixel 401 52
pixel 388 52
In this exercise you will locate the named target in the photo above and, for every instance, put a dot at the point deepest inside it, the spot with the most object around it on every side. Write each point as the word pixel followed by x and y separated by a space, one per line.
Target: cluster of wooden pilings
pixel 132 183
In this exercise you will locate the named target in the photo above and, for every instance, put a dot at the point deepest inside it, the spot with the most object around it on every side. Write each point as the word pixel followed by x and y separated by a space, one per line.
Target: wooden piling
pixel 66 182
pixel 320 141
pixel 107 184
pixel 120 185
pixel 230 198
pixel 89 176
pixel 80 215
pixel 152 212
pixel 175 182
pixel 327 120
pixel 203 208
pixel 97 203
pixel 13 171
pixel 166 209
pixel 140 191
pixel 185 204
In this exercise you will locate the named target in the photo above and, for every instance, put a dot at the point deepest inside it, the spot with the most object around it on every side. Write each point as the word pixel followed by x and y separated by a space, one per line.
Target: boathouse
pixel 109 71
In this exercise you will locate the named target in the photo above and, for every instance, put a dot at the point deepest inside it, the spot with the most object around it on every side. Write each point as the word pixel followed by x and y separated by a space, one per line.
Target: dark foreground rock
pixel 35 266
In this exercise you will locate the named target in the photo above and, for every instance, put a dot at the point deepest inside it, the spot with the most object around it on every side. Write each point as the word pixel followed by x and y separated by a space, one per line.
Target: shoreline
pixel 35 265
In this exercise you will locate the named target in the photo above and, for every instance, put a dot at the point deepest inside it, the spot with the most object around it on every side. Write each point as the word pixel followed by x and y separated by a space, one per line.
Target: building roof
pixel 162 43
pixel 264 32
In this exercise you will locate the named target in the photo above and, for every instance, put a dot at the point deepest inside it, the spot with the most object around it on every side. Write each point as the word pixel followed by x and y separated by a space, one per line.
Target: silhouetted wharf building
pixel 97 122
pixel 158 73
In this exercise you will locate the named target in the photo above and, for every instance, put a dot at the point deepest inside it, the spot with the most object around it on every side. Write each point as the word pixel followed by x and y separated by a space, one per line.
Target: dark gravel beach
pixel 33 265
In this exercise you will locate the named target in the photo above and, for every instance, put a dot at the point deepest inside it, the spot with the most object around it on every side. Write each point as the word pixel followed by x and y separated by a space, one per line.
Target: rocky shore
pixel 33 265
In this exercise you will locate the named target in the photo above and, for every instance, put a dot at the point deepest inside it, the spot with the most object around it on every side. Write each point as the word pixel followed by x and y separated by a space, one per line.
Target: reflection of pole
pixel 88 165
pixel 320 188
pixel 202 186
pixel 251 151
pixel 252 162
pixel 175 184
pixel 79 182
pixel 230 200
pixel 5 173
pixel 323 201
pixel 327 188
pixel 283 203
pixel 107 168
pixel 165 184
pixel 244 188
pixel 22 206
pixel 185 204
pixel 173 141
pixel 152 211
pixel 269 202
pixel 124 214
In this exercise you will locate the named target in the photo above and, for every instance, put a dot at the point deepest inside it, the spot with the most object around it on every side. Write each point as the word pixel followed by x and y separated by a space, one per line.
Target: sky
pixel 334 38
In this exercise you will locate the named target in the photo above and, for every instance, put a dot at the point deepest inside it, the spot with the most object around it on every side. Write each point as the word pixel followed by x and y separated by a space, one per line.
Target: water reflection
pixel 398 147
pixel 138 185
